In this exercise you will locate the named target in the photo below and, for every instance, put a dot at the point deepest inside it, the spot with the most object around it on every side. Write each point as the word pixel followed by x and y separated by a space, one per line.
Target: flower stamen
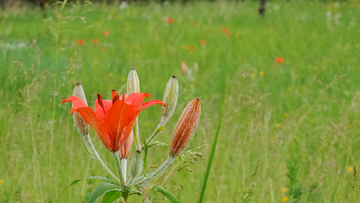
pixel 100 101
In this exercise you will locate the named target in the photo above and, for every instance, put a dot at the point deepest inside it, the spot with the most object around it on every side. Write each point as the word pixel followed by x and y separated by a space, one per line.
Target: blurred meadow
pixel 290 80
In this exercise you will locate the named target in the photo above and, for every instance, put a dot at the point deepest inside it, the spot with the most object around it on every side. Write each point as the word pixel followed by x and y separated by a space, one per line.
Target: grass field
pixel 303 112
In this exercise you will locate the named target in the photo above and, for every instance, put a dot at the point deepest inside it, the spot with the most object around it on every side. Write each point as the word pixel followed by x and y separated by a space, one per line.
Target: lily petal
pixel 117 119
pixel 150 103
pixel 90 117
pixel 136 99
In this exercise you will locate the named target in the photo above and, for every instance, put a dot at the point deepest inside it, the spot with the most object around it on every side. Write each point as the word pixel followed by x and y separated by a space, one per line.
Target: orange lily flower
pixel 279 59
pixel 80 42
pixel 170 20
pixel 192 23
pixel 125 150
pixel 224 29
pixel 202 42
pixel 106 33
pixel 191 48
pixel 95 41
pixel 114 119
pixel 228 34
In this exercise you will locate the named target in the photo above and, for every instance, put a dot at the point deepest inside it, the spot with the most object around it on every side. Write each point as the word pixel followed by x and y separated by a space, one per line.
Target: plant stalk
pixel 97 156
pixel 124 168
pixel 158 171
pixel 137 134
pixel 118 167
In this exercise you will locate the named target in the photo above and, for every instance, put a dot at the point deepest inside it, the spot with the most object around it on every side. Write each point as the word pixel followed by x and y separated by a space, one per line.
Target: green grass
pixel 317 87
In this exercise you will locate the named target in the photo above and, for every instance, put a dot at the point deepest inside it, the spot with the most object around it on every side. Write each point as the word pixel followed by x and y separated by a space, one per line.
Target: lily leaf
pixel 156 143
pixel 87 150
pixel 91 177
pixel 103 188
pixel 111 197
pixel 167 194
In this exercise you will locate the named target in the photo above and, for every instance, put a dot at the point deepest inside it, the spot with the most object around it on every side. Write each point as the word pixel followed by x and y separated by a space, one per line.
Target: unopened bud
pixel 136 166
pixel 185 128
pixel 170 98
pixel 81 125
pixel 125 150
pixel 133 83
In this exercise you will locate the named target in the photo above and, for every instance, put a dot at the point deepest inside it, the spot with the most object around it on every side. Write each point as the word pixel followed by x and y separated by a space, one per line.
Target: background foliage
pixel 299 117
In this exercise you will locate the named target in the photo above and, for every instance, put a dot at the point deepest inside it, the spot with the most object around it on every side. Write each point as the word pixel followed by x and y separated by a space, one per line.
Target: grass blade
pixel 212 153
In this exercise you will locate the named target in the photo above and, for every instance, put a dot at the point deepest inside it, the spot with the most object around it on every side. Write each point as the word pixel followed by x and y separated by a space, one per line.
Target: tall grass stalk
pixel 225 162
pixel 213 148
pixel 292 136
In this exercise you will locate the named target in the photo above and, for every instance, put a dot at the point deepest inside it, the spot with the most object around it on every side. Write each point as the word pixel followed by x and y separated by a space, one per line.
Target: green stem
pixel 158 171
pixel 124 168
pixel 157 131
pixel 118 167
pixel 137 134
pixel 97 157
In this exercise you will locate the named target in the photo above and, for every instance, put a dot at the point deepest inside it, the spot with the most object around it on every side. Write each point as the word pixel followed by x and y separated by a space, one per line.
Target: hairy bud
pixel 170 98
pixel 81 125
pixel 133 83
pixel 136 166
pixel 125 150
pixel 185 128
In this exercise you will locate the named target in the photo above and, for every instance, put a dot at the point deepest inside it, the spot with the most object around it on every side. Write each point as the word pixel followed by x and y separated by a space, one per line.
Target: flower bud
pixel 133 84
pixel 125 150
pixel 170 97
pixel 185 128
pixel 136 166
pixel 81 125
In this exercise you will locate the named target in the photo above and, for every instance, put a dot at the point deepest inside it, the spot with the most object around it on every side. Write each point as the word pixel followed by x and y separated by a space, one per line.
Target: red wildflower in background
pixel 95 41
pixel 191 48
pixel 224 29
pixel 106 33
pixel 80 42
pixel 183 67
pixel 279 59
pixel 114 119
pixel 202 42
pixel 192 23
pixel 228 34
pixel 170 20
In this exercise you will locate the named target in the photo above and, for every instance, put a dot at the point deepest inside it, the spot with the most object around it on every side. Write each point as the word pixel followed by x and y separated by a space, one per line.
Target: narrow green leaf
pixel 103 188
pixel 87 150
pixel 167 194
pixel 156 143
pixel 91 177
pixel 111 197
pixel 213 148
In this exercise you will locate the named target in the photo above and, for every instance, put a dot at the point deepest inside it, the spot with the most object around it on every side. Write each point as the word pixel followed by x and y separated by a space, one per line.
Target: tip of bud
pixel 173 76
pixel 79 83
pixel 197 99
pixel 133 69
